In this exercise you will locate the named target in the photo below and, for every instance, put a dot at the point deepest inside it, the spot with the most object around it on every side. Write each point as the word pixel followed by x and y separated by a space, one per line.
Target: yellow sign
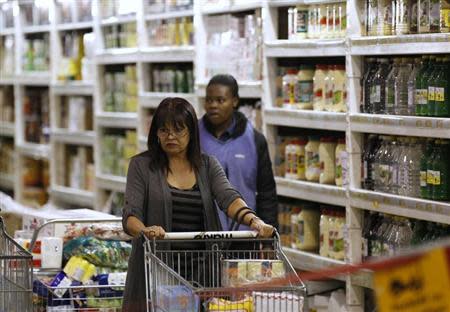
pixel 422 285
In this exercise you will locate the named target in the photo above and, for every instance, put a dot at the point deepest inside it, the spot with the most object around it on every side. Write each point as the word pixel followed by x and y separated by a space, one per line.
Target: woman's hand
pixel 264 230
pixel 154 232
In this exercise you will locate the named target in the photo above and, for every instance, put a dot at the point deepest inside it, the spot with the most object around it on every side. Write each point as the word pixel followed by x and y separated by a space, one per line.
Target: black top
pixel 187 205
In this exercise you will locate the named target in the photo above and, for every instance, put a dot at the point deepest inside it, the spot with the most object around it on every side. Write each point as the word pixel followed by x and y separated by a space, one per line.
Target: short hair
pixel 225 80
pixel 179 113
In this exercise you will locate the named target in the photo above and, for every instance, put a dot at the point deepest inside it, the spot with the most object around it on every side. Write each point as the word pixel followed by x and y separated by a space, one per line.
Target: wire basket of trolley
pixel 16 275
pixel 220 271
pixel 94 272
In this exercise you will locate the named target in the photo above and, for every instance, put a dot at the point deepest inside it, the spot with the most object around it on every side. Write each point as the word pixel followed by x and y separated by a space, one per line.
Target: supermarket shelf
pixel 114 20
pixel 237 6
pixel 400 205
pixel 117 120
pixel 7 129
pixel 73 137
pixel 7 31
pixel 405 44
pixel 36 29
pixel 305 48
pixel 111 182
pixel 7 81
pixel 74 26
pixel 401 125
pixel 167 54
pixel 6 181
pixel 247 89
pixel 152 99
pixel 283 3
pixel 72 88
pixel 117 56
pixel 322 193
pixel 73 196
pixel 305 119
pixel 34 150
pixel 168 15
pixel 34 78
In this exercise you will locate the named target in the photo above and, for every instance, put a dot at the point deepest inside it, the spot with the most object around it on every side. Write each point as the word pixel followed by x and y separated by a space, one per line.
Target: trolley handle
pixel 208 235
pixel 70 221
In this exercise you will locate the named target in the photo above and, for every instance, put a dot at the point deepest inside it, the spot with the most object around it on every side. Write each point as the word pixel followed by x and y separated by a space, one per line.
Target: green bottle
pixel 441 167
pixel 424 190
pixel 442 89
pixel 430 170
pixel 424 87
pixel 432 75
pixel 419 92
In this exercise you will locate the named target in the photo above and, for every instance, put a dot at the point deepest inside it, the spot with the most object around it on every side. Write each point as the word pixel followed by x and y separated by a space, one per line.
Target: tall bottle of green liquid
pixel 442 90
pixel 428 84
pixel 424 190
pixel 432 79
pixel 430 169
pixel 419 96
pixel 441 168
pixel 424 87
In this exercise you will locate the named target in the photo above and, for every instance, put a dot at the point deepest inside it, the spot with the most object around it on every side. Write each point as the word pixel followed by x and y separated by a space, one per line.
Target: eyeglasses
pixel 178 133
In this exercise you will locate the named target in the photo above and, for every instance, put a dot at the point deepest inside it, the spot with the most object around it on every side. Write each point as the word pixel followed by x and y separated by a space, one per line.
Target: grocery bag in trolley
pixel 220 271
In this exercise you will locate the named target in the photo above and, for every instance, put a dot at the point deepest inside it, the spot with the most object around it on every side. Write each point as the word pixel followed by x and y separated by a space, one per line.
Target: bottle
pixel 312 159
pixel 324 233
pixel 367 81
pixel 341 163
pixel 372 17
pixel 412 88
pixel 313 22
pixel 329 88
pixel 301 22
pixel 425 97
pixel 419 97
pixel 401 88
pixel 402 17
pixel 424 16
pixel 377 89
pixel 305 87
pixel 288 158
pixel 385 17
pixel 441 171
pixel 390 87
pixel 424 190
pixel 382 168
pixel 409 171
pixel 327 148
pixel 392 161
pixel 319 87
pixel 414 18
pixel 309 230
pixel 301 164
pixel 323 20
pixel 289 88
pixel 435 10
pixel 441 92
pixel 445 17
pixel 339 90
pixel 431 103
pixel 368 170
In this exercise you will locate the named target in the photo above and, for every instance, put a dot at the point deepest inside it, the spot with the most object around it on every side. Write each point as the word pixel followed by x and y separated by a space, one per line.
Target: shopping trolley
pixel 212 274
pixel 16 275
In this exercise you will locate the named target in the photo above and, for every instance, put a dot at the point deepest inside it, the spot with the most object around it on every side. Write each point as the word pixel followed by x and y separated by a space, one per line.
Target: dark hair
pixel 225 80
pixel 179 113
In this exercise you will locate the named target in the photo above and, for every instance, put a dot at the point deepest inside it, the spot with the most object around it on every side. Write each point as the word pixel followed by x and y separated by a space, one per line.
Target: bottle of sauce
pixel 319 87
pixel 313 22
pixel 324 232
pixel 329 88
pixel 309 230
pixel 327 148
pixel 301 22
pixel 289 88
pixel 332 229
pixel 312 159
pixel 339 90
pixel 341 163
pixel 294 226
pixel 339 241
pixel 288 160
pixel 301 162
pixel 305 87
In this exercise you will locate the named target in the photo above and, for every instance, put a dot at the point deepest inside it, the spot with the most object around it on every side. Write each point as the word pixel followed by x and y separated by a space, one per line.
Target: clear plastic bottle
pixel 402 17
pixel 390 87
pixel 368 162
pixel 372 67
pixel 313 22
pixel 392 161
pixel 383 178
pixel 372 17
pixel 409 168
pixel 424 16
pixel 412 87
pixel 377 186
pixel 385 17
pixel 377 90
pixel 401 88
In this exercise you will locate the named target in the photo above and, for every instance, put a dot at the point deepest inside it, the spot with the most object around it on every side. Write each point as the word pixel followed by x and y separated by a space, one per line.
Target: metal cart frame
pixel 16 275
pixel 194 276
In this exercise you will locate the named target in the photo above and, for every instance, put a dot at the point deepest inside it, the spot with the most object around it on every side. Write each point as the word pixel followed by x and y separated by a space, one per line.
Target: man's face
pixel 219 104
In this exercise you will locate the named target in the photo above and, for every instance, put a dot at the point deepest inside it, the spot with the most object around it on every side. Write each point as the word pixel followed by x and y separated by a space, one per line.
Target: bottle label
pixel 430 177
pixel 302 21
pixel 305 91
pixel 337 97
pixel 423 96
pixel 437 178
pixel 439 94
pixel 430 93
pixel 423 178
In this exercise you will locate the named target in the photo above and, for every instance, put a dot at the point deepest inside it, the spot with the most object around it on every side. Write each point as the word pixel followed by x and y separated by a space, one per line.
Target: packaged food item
pixel 234 272
pixel 339 90
pixel 305 87
pixel 220 305
pixel 312 159
pixel 110 279
pixel 327 148
pixel 79 269
pixel 319 87
pixel 324 232
pixel 301 163
pixel 276 302
pixel 308 229
pixel 290 88
pixel 341 163
pixel 177 298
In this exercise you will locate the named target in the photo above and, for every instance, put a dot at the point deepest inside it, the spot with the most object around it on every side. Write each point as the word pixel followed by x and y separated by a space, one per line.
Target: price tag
pixel 422 285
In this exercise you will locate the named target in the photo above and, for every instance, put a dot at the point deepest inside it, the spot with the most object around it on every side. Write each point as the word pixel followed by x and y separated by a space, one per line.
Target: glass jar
pixel 327 149
pixel 312 159
pixel 341 163
pixel 305 87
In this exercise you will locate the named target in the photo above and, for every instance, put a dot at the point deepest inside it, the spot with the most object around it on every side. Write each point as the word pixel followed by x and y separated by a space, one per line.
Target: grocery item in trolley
pixel 223 274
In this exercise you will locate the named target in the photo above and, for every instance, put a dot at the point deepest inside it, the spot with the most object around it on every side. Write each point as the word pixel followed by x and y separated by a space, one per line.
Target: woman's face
pixel 219 104
pixel 174 140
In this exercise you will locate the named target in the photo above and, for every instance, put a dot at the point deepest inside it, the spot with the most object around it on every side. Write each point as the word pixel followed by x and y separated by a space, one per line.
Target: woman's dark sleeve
pixel 135 191
pixel 222 191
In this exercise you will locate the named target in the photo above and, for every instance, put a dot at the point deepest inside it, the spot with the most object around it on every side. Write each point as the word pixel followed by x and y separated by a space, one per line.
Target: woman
pixel 241 150
pixel 172 187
